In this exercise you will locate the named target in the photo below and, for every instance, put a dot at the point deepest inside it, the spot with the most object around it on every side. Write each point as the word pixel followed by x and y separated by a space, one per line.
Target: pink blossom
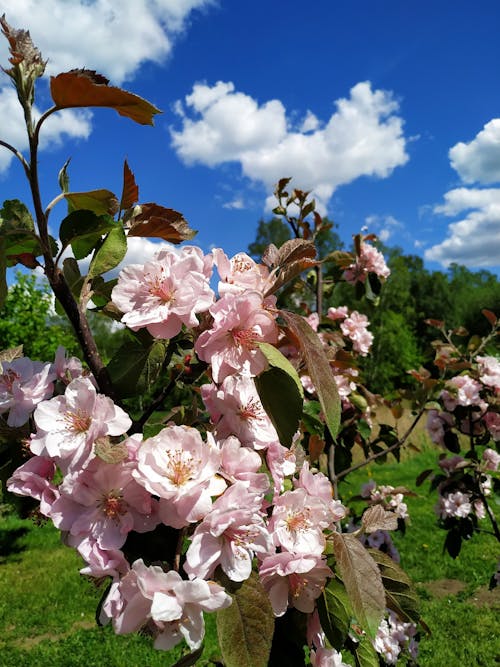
pixel 298 521
pixel 313 321
pixel 240 273
pixel 393 637
pixel 68 425
pixel 281 462
pixel 294 580
pixel 491 459
pixel 339 313
pixel 104 502
pixel 23 384
pixel 193 597
pixel 241 464
pixel 34 479
pixel 370 260
pixel 166 292
pixel 180 468
pixel 229 535
pixel 462 390
pixel 239 323
pixel 449 465
pixel 319 486
pixel 170 607
pixel 99 562
pixel 489 369
pixel 68 368
pixel 437 424
pixel 492 421
pixel 454 505
pixel 354 327
pixel 327 657
pixel 236 409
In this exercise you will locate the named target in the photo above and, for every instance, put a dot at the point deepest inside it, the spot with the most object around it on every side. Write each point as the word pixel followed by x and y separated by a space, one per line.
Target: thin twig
pixel 390 449
pixel 19 156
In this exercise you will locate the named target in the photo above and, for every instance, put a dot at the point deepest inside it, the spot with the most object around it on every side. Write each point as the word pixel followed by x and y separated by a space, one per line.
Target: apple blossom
pixel 230 535
pixel 239 323
pixel 69 425
pixel 166 292
pixel 236 409
pixel 295 580
pixel 181 469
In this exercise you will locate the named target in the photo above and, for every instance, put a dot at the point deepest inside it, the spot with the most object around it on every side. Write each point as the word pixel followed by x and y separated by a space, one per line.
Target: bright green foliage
pixel 27 319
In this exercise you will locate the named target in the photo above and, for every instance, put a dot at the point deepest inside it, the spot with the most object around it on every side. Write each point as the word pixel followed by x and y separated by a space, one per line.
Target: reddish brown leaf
pixel 318 368
pixel 270 256
pixel 295 250
pixel 377 518
pixel 152 220
pixel 439 324
pixel 85 88
pixel 290 271
pixel 130 191
pixel 491 317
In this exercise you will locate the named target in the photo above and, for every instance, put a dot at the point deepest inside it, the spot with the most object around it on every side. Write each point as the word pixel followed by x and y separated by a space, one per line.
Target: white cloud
pixel 71 123
pixel 383 225
pixel 364 137
pixel 113 38
pixel 237 204
pixel 474 239
pixel 479 160
pixel 310 122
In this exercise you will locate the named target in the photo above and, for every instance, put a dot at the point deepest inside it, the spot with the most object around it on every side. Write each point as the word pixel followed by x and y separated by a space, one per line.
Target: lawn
pixel 47 612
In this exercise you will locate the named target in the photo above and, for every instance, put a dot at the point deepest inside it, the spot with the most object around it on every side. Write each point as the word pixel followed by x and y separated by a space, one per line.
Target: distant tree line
pixel 411 295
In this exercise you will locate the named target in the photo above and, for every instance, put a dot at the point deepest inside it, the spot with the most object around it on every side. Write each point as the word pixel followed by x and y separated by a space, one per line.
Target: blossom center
pixel 79 421
pixel 162 288
pixel 113 504
pixel 252 410
pixel 180 467
pixel 298 521
pixel 9 378
pixel 244 338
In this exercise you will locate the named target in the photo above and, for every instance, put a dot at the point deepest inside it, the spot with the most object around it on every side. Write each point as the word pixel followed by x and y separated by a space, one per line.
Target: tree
pixel 28 319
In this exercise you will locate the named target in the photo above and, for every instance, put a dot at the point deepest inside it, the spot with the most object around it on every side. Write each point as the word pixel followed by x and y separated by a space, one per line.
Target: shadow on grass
pixel 9 542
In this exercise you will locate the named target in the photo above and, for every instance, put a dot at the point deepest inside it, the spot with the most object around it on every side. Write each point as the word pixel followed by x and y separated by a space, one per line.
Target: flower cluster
pixel 464 414
pixel 369 260
pixel 395 637
pixel 99 484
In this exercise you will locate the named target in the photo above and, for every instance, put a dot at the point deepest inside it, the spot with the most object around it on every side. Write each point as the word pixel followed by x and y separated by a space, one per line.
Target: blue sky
pixel 388 111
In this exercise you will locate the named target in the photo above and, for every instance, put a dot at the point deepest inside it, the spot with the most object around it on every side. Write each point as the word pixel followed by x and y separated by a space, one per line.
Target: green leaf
pixel 362 580
pixel 245 629
pixel 14 216
pixel 281 400
pixel 318 367
pixel 83 230
pixel 365 654
pixel 400 594
pixel 110 253
pixel 335 613
pixel 100 202
pixel 190 659
pixel 278 360
pixel 134 367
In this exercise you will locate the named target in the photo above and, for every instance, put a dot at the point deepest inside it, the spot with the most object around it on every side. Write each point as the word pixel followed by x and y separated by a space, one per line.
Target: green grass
pixel 464 631
pixel 47 610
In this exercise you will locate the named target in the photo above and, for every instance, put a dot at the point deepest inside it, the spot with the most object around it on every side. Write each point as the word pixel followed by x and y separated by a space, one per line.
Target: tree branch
pixel 390 449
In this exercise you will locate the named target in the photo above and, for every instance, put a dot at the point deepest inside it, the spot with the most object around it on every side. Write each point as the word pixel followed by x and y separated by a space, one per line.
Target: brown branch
pixel 390 449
